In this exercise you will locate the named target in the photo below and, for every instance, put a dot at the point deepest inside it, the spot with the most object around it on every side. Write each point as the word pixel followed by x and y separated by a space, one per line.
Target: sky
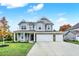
pixel 58 13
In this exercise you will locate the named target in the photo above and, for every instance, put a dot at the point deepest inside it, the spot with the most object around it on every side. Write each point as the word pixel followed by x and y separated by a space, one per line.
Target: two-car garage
pixel 49 37
pixel 44 37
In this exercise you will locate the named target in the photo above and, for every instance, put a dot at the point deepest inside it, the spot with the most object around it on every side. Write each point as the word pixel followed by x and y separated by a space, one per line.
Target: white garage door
pixel 44 37
pixel 59 38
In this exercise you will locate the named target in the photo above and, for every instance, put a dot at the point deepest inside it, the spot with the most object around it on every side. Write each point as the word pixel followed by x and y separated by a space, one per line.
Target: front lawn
pixel 72 41
pixel 15 49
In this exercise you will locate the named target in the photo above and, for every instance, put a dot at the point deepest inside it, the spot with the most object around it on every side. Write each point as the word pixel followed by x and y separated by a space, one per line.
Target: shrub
pixel 71 40
pixel 8 38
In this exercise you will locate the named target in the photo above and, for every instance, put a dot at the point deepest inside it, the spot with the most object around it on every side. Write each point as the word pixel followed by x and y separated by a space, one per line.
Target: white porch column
pixel 23 36
pixel 14 37
pixel 17 36
pixel 27 38
pixel 34 37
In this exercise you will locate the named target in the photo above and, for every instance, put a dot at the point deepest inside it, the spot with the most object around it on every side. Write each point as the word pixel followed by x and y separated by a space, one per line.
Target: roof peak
pixel 44 18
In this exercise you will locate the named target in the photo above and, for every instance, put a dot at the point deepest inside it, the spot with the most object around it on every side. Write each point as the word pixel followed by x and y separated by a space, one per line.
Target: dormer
pixel 45 24
pixel 22 25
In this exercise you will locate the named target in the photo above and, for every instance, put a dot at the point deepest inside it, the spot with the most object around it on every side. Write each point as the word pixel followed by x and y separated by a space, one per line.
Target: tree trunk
pixel 3 40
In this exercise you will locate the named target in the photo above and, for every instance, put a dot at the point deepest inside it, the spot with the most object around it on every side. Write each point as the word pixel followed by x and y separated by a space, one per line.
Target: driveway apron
pixel 54 49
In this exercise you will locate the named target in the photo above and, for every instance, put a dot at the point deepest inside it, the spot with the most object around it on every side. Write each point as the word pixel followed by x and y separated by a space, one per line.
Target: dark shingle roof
pixel 44 20
pixel 23 21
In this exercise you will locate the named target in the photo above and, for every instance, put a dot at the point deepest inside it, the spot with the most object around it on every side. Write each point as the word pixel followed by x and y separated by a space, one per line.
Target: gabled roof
pixel 42 20
pixel 23 21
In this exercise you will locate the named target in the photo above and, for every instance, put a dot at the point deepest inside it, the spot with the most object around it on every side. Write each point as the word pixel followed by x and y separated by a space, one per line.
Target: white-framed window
pixel 48 27
pixel 39 28
pixel 23 27
pixel 31 27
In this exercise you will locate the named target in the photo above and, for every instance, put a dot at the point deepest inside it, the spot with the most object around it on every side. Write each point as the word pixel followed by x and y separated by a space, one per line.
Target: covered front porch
pixel 24 37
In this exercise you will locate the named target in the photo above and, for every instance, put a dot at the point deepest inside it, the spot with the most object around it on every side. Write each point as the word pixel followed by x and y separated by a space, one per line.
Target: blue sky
pixel 58 13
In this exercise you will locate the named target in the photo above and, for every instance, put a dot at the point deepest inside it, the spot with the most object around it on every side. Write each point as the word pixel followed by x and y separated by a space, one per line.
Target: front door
pixel 32 37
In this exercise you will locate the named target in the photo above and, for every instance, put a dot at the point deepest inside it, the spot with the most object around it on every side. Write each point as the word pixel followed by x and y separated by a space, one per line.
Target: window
pixel 23 27
pixel 22 37
pixel 31 27
pixel 48 28
pixel 39 27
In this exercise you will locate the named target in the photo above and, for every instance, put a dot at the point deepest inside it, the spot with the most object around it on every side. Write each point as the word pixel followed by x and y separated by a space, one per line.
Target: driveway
pixel 54 49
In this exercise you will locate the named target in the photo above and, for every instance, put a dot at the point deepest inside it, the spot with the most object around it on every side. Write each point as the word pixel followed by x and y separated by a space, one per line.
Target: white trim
pixel 23 36
pixel 34 37
pixel 14 37
pixel 35 33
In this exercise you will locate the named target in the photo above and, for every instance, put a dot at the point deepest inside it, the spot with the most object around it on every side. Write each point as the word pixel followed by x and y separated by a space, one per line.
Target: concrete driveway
pixel 54 49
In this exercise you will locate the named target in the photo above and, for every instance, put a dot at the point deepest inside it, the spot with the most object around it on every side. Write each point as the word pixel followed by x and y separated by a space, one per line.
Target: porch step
pixel 31 41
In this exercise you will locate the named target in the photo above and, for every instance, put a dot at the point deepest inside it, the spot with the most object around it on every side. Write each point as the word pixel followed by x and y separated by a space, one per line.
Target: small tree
pixel 9 36
pixel 2 34
pixel 4 29
pixel 65 27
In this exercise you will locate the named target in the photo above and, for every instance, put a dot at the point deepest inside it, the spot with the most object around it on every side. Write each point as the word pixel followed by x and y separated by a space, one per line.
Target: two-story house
pixel 42 30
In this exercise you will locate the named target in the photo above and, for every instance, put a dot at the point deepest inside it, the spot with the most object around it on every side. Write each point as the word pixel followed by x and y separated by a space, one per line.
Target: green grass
pixel 72 41
pixel 15 49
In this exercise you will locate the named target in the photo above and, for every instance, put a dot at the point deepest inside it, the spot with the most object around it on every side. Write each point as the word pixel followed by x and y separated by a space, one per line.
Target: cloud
pixel 13 24
pixel 59 22
pixel 13 3
pixel 36 8
pixel 61 14
pixel 62 21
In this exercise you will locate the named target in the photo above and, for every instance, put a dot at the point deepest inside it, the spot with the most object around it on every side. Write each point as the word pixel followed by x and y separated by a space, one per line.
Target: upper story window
pixel 39 28
pixel 31 27
pixel 23 27
pixel 48 28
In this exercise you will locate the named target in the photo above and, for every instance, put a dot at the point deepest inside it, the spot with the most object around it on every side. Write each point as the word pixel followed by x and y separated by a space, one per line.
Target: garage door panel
pixel 59 38
pixel 44 37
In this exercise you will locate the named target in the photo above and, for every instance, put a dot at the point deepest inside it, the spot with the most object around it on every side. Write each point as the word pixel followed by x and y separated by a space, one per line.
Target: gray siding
pixel 70 36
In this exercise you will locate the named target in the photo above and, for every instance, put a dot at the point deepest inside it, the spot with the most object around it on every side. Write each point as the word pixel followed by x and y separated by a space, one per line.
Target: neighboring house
pixel 42 30
pixel 72 33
